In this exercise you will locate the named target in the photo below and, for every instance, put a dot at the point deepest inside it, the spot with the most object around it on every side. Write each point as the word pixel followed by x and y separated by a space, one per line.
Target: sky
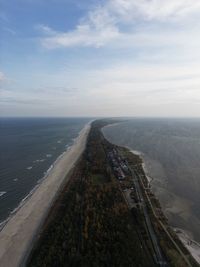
pixel 100 58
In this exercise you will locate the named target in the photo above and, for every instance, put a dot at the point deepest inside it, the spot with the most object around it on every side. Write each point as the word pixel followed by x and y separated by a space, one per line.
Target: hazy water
pixel 171 150
pixel 28 147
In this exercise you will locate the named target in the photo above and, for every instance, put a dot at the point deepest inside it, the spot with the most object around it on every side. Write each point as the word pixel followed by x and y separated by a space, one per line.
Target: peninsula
pixel 106 215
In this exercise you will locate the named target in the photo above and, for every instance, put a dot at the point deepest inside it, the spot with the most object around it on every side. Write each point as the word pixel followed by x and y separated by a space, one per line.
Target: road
pixel 166 231
pixel 158 253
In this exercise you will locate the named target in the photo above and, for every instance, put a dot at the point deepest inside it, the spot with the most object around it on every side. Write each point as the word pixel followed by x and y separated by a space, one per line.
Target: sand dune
pixel 18 234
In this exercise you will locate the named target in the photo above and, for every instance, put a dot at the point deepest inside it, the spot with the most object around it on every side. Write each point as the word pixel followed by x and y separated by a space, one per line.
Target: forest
pixel 90 223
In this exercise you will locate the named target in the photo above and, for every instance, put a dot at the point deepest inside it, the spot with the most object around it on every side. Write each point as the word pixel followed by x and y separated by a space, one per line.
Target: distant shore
pixel 17 235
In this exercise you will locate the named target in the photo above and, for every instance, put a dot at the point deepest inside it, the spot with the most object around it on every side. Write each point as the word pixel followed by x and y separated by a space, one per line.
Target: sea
pixel 170 149
pixel 28 149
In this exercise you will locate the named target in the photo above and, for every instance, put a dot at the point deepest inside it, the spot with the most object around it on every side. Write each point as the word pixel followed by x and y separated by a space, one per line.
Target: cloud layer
pixel 103 23
pixel 119 57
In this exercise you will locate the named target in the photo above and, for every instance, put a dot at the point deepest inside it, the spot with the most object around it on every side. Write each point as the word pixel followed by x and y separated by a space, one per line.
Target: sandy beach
pixel 189 243
pixel 18 234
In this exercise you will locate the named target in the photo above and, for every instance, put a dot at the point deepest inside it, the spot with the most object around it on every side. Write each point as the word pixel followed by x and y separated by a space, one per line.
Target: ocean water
pixel 171 152
pixel 28 148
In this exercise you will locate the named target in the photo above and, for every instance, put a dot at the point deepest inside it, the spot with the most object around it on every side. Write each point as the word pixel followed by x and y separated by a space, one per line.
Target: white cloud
pixel 102 25
pixel 2 76
pixel 84 35
pixel 121 89
pixel 154 62
pixel 154 9
pixel 96 29
pixel 45 29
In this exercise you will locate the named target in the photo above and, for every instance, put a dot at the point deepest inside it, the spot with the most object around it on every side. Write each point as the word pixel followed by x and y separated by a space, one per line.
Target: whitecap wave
pixel 38 160
pixel 24 200
pixel 29 168
pixel 2 193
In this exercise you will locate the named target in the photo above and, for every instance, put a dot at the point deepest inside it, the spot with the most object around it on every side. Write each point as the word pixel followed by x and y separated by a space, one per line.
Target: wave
pixel 25 199
pixel 2 193
pixel 39 160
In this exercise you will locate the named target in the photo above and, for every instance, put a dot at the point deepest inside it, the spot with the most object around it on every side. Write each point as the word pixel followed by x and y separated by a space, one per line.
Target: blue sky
pixel 100 58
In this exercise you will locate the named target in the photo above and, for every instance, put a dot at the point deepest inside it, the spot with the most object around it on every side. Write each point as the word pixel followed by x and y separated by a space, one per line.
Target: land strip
pixel 92 224
pixel 104 217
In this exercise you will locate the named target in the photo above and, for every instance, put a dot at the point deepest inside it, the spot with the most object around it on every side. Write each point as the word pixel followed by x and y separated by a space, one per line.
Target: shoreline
pixel 140 154
pixel 39 182
pixel 94 193
pixel 191 245
pixel 22 226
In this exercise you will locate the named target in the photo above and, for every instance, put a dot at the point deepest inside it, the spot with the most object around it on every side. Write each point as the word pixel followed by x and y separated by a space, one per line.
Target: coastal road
pixel 160 260
pixel 165 229
pixel 143 246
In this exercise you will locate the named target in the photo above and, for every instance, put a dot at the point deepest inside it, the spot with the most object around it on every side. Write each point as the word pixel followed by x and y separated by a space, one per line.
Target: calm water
pixel 171 151
pixel 28 147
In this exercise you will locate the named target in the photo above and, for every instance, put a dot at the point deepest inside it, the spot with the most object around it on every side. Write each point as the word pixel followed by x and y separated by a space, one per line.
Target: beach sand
pixel 189 243
pixel 17 236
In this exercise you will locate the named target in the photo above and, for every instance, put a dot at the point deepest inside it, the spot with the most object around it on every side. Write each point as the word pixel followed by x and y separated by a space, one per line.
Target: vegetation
pixel 90 223
pixel 170 251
